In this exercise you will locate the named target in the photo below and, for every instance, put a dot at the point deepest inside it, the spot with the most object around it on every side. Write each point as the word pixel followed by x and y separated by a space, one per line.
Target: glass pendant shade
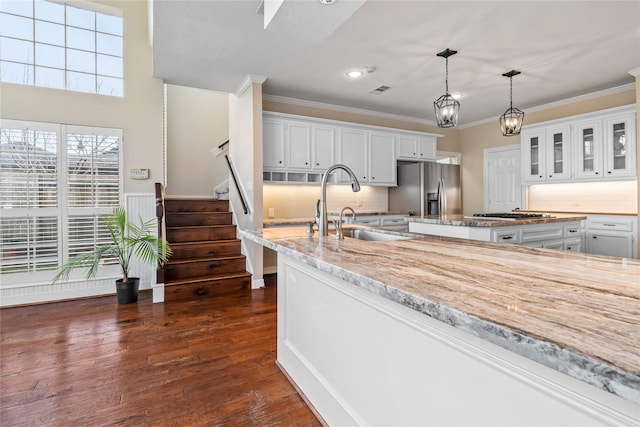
pixel 511 120
pixel 446 109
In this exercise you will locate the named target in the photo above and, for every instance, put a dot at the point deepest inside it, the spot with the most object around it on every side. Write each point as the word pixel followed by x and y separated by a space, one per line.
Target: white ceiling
pixel 563 49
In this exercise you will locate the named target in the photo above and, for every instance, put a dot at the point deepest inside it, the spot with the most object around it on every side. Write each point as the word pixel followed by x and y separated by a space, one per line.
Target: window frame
pixel 63 212
pixel 31 65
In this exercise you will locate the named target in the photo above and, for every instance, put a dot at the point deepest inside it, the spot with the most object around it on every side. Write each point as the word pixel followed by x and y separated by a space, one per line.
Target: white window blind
pixel 57 184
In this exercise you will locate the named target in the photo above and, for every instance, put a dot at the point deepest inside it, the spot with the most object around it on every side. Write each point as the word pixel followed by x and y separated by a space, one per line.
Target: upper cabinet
pixel 592 146
pixel 299 149
pixel 547 153
pixel 412 147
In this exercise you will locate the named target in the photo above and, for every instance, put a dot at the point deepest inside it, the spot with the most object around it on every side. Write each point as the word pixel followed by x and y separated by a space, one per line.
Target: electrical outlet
pixel 272 212
pixel 358 202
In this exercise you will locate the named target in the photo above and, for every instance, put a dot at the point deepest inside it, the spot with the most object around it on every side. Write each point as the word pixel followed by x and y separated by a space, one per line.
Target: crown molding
pixel 567 101
pixel 248 80
pixel 635 72
pixel 340 108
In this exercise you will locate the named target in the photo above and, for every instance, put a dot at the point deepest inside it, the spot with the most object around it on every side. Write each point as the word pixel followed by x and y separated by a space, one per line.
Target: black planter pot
pixel 127 292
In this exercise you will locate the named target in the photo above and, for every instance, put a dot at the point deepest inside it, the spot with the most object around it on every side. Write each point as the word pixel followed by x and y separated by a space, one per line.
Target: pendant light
pixel 511 120
pixel 446 107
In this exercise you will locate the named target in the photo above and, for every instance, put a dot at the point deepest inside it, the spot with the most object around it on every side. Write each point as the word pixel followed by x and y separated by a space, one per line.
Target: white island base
pixel 361 359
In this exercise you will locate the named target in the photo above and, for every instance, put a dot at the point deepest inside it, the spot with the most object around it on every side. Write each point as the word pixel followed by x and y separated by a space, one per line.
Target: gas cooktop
pixel 509 216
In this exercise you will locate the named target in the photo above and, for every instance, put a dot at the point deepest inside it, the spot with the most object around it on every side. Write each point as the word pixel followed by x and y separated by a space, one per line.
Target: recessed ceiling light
pixel 328 1
pixel 355 74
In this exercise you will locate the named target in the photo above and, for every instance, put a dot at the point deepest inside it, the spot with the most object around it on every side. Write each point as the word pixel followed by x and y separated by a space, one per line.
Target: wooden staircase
pixel 206 259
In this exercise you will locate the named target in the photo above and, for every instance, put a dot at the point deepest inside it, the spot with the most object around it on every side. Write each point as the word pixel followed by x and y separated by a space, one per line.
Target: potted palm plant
pixel 127 240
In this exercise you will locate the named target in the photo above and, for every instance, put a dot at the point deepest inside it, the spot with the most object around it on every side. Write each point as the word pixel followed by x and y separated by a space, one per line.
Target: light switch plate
pixel 272 212
pixel 136 173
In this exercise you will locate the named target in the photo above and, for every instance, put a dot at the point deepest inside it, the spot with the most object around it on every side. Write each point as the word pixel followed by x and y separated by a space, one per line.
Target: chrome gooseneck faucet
pixel 323 225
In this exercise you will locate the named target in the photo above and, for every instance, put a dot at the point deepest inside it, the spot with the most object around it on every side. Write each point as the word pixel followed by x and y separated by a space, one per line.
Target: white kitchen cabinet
pixel 370 155
pixel 352 152
pixel 413 147
pixel 573 245
pixel 298 145
pixel 612 235
pixel 605 146
pixel 381 159
pixel 323 146
pixel 620 145
pixel 546 153
pixel 273 131
pixel 593 146
pixel 298 149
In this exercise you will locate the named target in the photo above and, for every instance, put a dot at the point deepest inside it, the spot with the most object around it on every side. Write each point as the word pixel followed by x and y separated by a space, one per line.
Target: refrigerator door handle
pixel 442 197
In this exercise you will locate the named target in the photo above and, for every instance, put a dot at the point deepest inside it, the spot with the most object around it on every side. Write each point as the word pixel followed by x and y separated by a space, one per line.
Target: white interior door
pixel 502 179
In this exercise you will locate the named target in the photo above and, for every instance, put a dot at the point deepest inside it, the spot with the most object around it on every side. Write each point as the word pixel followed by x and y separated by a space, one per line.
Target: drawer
pixel 615 225
pixel 370 220
pixel 542 233
pixel 393 220
pixel 506 236
pixel 572 231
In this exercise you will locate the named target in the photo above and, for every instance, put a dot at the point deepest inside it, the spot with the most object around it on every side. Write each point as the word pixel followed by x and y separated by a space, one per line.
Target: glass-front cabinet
pixel 593 146
pixel 546 154
pixel 588 144
pixel 619 147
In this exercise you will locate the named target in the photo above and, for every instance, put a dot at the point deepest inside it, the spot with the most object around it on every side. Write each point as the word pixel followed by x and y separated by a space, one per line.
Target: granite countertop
pixel 579 213
pixel 573 312
pixel 465 221
pixel 281 222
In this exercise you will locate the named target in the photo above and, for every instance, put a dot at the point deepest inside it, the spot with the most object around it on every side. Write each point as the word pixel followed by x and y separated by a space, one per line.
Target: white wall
pixel 245 150
pixel 197 123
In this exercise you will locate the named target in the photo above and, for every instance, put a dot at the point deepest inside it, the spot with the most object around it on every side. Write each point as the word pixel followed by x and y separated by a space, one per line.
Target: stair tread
pixel 179 227
pixel 207 278
pixel 203 259
pixel 200 242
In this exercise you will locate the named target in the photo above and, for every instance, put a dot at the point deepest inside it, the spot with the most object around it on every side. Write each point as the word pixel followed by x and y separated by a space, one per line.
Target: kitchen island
pixel 436 330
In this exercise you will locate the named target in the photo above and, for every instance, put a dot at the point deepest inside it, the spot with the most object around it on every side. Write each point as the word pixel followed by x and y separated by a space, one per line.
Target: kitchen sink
pixel 375 235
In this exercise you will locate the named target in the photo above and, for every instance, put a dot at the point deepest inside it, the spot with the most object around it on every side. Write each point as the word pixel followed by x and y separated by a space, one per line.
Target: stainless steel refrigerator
pixel 427 188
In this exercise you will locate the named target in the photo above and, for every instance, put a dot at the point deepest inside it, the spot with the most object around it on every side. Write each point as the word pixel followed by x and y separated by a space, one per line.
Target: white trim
pixel 622 108
pixel 635 72
pixel 248 80
pixel 560 103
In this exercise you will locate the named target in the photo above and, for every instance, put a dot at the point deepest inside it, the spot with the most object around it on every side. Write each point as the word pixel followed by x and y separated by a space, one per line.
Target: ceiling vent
pixel 380 89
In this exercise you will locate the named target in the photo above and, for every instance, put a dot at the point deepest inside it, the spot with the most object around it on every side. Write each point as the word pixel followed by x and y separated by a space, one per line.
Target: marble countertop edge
pixel 550 354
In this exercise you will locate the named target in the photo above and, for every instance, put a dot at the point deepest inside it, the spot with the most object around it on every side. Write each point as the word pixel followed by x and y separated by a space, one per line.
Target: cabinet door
pixel 353 153
pixel 533 155
pixel 382 159
pixel 573 245
pixel 612 244
pixel 619 146
pixel 323 147
pixel 298 145
pixel 558 153
pixel 588 143
pixel 407 147
pixel 273 143
pixel 426 148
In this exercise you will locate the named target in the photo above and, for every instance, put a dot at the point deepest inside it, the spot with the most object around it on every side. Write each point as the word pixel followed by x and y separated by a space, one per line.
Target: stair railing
pixel 235 181
pixel 159 216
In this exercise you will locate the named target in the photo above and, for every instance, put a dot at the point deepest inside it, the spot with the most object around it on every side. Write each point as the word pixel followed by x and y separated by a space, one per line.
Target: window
pixel 55 45
pixel 57 183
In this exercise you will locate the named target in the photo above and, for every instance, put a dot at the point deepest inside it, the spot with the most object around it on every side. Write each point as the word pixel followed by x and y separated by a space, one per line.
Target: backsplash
pixel 606 197
pixel 299 201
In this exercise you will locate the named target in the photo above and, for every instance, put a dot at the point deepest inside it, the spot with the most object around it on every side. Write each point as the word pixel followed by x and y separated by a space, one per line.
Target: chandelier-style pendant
pixel 446 107
pixel 511 120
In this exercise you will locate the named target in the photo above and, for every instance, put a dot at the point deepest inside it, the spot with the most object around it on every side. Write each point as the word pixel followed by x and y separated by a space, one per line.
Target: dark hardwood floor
pixel 93 362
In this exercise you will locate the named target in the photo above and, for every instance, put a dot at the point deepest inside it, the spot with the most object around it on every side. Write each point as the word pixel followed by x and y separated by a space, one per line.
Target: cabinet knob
pixel 568 248
pixel 306 163
pixel 317 164
pixel 280 161
pixel 414 154
pixel 373 177
pixel 597 173
pixel 550 176
pixel 595 237
pixel 540 176
pixel 609 172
